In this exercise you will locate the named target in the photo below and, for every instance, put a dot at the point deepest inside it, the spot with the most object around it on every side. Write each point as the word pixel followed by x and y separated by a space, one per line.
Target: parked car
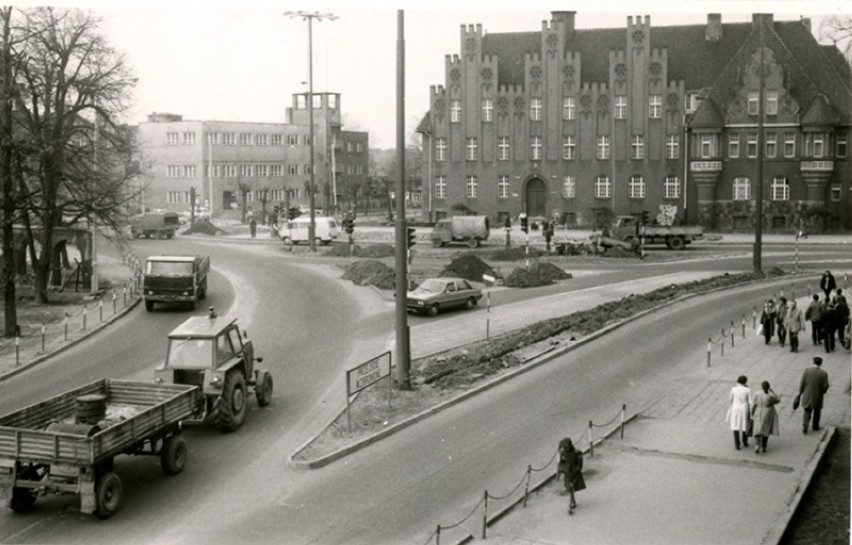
pixel 437 294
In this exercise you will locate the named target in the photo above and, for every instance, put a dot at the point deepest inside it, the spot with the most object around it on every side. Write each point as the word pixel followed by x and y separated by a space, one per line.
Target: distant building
pixel 582 124
pixel 271 159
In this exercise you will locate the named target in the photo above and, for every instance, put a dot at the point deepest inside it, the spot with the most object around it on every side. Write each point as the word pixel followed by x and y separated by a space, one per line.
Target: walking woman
pixel 739 411
pixel 571 466
pixel 764 415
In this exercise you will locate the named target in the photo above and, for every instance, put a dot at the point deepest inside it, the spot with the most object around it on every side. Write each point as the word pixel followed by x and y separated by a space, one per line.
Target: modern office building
pixel 224 160
pixel 583 124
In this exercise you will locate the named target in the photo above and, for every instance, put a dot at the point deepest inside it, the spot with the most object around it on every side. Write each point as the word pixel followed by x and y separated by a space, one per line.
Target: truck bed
pixel 136 411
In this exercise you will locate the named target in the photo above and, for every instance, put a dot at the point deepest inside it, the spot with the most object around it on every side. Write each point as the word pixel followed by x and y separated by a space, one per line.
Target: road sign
pixel 364 375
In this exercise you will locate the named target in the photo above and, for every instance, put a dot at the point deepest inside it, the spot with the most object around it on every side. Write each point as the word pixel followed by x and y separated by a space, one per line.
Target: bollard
pixel 743 326
pixel 488 315
pixel 114 297
pixel 42 336
pixel 100 310
pixel 732 334
pixel 527 485
pixel 485 516
pixel 709 348
pixel 438 535
pixel 124 294
pixel 591 441
pixel 623 409
pixel 722 344
pixel 84 318
pixel 66 327
pixel 754 317
pixel 17 350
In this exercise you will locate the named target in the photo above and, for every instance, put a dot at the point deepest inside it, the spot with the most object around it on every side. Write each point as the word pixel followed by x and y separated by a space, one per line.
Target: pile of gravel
pixel 516 253
pixel 204 227
pixel 469 267
pixel 370 272
pixel 537 274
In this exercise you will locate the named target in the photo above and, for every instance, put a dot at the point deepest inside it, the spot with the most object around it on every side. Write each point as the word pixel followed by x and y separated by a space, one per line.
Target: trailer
pixel 67 443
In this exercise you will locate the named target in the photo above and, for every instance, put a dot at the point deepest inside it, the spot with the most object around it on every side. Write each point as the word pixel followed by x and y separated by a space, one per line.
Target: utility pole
pixel 758 193
pixel 309 17
pixel 403 349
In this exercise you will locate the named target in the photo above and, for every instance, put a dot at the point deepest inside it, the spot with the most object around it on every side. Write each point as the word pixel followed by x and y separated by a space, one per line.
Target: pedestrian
pixel 767 320
pixel 841 309
pixel 795 324
pixel 739 411
pixel 571 467
pixel 814 314
pixel 830 319
pixel 827 284
pixel 781 319
pixel 764 416
pixel 812 389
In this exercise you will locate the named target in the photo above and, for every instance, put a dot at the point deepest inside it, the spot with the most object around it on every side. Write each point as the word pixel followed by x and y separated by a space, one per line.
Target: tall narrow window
pixel 440 149
pixel 487 109
pixel 771 145
pixel 440 187
pixel 503 148
pixel 705 143
pixel 819 144
pixel 471 187
pixel 569 187
pixel 753 102
pixel 535 109
pixel 734 145
pixel 620 107
pixel 671 188
pixel 569 148
pixel 751 145
pixel 655 106
pixel 188 138
pixel 535 148
pixel 842 146
pixel 771 102
pixel 569 108
pixel 171 138
pixel 503 186
pixel 636 187
pixel 472 148
pixel 602 187
pixel 742 189
pixel 672 146
pixel 637 147
pixel 603 147
pixel 455 111
pixel 780 189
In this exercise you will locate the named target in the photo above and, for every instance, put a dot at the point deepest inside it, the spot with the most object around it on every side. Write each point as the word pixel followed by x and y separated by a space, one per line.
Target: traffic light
pixel 349 225
pixel 276 210
pixel 411 238
pixel 645 217
pixel 524 224
pixel 292 213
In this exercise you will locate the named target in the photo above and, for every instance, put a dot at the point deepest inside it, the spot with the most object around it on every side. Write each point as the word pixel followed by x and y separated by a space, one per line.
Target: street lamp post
pixel 309 16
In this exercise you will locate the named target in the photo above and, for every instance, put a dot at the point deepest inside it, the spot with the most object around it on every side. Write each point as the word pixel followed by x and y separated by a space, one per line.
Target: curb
pixel 535 362
pixel 69 344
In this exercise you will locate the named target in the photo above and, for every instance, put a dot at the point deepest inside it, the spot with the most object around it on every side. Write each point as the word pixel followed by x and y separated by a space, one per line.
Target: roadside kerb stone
pixel 535 362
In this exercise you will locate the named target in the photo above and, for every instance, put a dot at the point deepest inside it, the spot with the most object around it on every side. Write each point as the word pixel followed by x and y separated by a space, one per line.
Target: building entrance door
pixel 536 196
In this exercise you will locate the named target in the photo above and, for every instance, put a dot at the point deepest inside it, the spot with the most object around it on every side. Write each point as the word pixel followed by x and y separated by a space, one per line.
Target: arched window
pixel 742 189
pixel 780 189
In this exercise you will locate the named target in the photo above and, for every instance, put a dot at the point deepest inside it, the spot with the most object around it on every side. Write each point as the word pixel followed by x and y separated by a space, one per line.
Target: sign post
pixel 364 375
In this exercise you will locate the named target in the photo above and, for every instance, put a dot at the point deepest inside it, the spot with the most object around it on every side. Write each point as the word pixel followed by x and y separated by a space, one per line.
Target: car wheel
pixel 433 309
pixel 470 303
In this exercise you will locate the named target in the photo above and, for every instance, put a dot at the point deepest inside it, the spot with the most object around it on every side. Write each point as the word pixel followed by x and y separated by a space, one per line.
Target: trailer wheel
pixel 232 403
pixel 263 390
pixel 173 455
pixel 108 495
pixel 472 242
pixel 675 243
pixel 23 499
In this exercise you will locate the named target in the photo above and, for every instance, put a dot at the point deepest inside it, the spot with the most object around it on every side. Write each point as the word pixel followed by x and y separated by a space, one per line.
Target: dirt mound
pixel 537 274
pixel 371 273
pixel 203 227
pixel 617 251
pixel 469 267
pixel 514 254
pixel 374 251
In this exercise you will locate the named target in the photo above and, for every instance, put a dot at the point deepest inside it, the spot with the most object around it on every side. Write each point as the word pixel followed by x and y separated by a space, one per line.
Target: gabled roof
pixel 708 115
pixel 819 114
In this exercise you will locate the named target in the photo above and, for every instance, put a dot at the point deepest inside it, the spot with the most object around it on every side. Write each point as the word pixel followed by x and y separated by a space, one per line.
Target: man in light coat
pixel 795 324
pixel 812 389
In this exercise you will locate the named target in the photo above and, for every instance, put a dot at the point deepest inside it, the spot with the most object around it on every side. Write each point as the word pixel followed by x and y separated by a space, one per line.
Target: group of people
pixel 754 413
pixel 828 315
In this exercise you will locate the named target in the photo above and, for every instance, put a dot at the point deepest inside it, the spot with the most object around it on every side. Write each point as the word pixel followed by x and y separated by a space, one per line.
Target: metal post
pixel 114 297
pixel 722 344
pixel 42 336
pixel 743 325
pixel 100 310
pixel 732 334
pixel 66 327
pixel 527 248
pixel 124 295
pixel 485 516
pixel 487 315
pixel 84 318
pixel 623 410
pixel 527 485
pixel 709 350
pixel 17 350
pixel 438 535
pixel 591 441
pixel 753 318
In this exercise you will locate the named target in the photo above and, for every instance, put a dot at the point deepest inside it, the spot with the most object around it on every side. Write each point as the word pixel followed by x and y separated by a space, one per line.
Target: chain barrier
pixel 435 536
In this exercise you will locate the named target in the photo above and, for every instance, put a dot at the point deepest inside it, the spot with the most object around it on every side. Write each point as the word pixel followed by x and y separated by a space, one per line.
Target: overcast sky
pixel 241 61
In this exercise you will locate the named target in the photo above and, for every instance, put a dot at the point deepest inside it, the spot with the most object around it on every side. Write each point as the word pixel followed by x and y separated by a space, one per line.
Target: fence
pixel 513 494
pixel 36 340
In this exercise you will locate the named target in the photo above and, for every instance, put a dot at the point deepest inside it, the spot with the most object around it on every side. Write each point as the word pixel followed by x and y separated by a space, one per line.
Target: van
pixel 296 230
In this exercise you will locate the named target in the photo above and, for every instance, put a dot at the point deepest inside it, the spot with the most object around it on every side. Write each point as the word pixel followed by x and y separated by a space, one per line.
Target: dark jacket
pixel 827 283
pixel 813 387
pixel 571 464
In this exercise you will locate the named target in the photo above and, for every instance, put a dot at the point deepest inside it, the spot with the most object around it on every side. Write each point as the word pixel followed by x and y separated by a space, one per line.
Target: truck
pixel 155 224
pixel 470 229
pixel 675 237
pixel 211 353
pixel 298 230
pixel 66 444
pixel 175 279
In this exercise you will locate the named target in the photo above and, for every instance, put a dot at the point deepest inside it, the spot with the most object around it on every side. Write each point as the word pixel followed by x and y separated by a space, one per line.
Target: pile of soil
pixel 370 272
pixel 204 227
pixel 537 274
pixel 469 267
pixel 374 251
pixel 617 251
pixel 516 253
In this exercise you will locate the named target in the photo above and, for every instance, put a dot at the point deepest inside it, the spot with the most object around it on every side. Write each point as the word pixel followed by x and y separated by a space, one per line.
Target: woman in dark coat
pixel 571 466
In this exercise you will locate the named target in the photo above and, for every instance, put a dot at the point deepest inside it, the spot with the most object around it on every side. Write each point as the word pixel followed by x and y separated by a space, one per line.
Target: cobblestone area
pixel 823 516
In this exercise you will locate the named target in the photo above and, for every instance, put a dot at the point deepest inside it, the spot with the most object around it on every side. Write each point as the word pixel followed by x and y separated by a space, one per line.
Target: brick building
pixel 582 124
pixel 217 157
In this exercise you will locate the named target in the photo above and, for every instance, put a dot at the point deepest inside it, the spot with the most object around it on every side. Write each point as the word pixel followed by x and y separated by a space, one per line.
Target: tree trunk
pixel 10 324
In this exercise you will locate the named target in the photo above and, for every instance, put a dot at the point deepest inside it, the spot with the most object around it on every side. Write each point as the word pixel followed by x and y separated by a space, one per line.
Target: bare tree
pixel 7 182
pixel 70 91
pixel 838 29
pixel 244 189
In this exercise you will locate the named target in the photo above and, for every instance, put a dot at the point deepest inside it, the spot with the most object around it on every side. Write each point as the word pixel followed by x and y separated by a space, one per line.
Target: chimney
pixel 567 18
pixel 806 21
pixel 713 32
pixel 756 18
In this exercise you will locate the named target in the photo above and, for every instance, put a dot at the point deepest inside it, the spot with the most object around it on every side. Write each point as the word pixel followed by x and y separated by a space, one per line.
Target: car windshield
pixel 168 268
pixel 431 286
pixel 190 353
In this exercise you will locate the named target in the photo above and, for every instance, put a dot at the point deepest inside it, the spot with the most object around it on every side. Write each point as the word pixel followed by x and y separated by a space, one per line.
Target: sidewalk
pixel 675 477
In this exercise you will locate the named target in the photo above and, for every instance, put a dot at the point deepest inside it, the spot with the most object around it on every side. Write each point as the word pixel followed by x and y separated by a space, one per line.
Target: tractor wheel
pixel 263 390
pixel 149 305
pixel 433 309
pixel 173 455
pixel 108 495
pixel 232 403
pixel 23 499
